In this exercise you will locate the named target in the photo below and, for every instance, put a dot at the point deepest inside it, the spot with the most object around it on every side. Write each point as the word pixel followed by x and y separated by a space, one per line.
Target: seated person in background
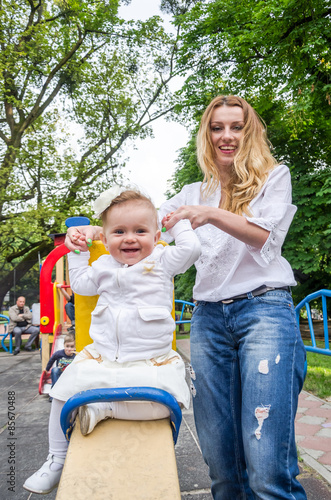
pixel 20 323
pixel 63 358
pixel 69 307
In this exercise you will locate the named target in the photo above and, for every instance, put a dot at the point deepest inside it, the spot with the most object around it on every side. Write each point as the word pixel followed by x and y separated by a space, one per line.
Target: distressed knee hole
pixel 261 413
pixel 264 366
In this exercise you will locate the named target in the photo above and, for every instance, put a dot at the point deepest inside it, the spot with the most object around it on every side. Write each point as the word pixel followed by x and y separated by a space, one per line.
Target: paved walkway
pixel 24 443
pixel 313 433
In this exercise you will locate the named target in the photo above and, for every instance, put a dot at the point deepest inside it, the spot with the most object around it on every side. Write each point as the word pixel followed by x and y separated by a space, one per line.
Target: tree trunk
pixel 7 168
pixel 23 267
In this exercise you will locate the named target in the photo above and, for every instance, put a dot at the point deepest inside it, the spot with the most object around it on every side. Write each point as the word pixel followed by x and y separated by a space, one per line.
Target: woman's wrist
pixel 96 232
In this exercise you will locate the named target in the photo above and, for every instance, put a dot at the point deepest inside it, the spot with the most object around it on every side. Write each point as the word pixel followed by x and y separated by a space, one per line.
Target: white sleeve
pixel 170 206
pixel 81 275
pixel 177 259
pixel 276 213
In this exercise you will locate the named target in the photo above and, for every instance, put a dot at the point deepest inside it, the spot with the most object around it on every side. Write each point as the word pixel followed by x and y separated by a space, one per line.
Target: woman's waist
pixel 204 292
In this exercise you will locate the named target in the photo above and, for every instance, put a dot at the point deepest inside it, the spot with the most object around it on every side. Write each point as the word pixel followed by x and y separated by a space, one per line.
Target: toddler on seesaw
pixel 132 326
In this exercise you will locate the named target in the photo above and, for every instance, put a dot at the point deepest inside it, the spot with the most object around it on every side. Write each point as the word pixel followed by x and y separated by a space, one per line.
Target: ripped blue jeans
pixel 247 371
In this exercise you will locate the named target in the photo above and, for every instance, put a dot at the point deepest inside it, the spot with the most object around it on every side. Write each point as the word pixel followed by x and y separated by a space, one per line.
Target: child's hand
pixel 79 239
pixel 198 215
pixel 165 220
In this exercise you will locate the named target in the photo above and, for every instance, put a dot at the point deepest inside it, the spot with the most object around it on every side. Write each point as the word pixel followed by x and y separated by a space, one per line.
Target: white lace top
pixel 227 266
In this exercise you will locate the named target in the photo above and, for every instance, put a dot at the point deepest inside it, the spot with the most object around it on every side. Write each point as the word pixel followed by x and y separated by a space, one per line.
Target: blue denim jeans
pixel 70 311
pixel 56 373
pixel 247 371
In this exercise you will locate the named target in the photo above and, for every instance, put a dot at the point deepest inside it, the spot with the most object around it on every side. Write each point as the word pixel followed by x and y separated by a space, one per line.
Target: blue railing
pixel 5 321
pixel 183 303
pixel 323 294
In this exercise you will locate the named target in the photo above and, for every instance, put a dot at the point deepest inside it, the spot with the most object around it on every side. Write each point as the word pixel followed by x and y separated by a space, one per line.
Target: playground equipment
pixel 320 294
pixel 51 301
pixel 323 294
pixel 119 459
pixel 4 320
pixel 126 459
pixel 184 304
pixel 51 310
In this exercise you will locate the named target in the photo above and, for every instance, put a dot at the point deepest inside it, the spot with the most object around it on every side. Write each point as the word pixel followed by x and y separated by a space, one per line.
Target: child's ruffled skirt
pixel 90 371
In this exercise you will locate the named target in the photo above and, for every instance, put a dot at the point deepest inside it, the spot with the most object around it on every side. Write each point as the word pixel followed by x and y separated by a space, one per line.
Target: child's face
pixel 69 348
pixel 130 232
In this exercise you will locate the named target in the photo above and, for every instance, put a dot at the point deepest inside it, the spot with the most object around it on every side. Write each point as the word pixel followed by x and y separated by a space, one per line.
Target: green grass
pixel 185 336
pixel 318 379
pixel 24 341
pixel 183 330
pixel 180 328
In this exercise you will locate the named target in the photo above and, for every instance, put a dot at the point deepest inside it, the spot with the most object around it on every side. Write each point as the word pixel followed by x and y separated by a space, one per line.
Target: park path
pixel 26 442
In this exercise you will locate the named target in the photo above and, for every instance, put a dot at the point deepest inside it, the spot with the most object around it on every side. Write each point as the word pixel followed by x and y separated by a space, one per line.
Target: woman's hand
pixel 198 215
pixel 79 239
pixel 233 224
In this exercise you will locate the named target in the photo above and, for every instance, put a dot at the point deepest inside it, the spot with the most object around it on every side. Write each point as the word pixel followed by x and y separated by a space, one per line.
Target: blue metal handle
pixel 184 303
pixel 121 394
pixel 5 321
pixel 305 302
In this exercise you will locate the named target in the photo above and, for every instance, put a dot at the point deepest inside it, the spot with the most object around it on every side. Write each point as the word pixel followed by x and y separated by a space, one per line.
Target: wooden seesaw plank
pixel 121 460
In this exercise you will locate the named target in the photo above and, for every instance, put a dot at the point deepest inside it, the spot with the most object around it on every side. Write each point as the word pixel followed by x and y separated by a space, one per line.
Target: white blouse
pixel 228 267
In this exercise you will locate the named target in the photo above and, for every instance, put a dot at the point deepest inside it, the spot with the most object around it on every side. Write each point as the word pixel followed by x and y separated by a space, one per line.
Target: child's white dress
pixel 132 326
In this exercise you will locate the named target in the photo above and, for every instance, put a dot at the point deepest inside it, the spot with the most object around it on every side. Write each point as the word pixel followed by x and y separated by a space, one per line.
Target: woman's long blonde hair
pixel 251 165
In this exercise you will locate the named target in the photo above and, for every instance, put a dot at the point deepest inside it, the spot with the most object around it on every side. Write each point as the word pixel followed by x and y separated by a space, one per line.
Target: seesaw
pixel 121 459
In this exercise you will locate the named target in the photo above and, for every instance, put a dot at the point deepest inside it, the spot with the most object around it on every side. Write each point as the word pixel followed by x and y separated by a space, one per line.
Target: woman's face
pixel 226 127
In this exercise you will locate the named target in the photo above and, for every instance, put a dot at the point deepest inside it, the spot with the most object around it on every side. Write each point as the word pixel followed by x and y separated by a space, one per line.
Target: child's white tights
pixel 123 410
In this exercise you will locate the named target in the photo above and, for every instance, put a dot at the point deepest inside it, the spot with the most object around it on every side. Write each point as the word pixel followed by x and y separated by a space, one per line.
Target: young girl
pixel 131 326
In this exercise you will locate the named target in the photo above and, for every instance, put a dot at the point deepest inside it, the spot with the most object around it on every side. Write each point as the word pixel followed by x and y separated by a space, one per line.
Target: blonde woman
pixel 246 351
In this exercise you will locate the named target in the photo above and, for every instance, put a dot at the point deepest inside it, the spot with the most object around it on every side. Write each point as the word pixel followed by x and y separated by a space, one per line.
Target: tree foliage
pixel 275 54
pixel 68 67
pixel 278 48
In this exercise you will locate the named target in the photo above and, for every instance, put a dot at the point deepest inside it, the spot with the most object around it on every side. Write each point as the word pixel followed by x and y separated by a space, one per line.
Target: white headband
pixel 104 200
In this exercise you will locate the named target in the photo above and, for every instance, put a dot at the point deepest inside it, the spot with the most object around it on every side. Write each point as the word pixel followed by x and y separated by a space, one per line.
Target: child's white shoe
pixel 47 477
pixel 90 415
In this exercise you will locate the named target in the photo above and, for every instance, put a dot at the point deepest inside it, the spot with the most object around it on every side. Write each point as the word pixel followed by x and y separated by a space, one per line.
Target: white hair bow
pixel 105 199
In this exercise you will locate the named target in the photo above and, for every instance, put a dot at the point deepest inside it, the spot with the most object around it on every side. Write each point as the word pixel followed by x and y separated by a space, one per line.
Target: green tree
pixel 305 147
pixel 276 48
pixel 66 65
